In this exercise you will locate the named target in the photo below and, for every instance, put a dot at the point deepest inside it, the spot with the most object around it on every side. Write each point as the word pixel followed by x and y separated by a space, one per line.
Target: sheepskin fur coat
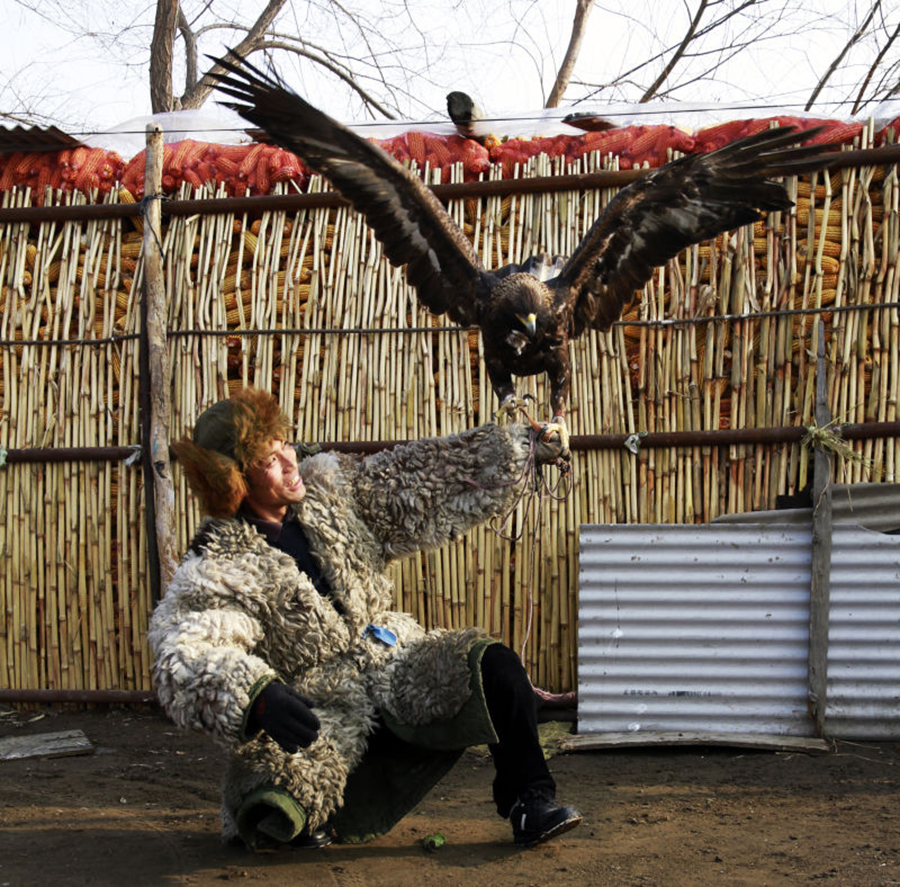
pixel 238 614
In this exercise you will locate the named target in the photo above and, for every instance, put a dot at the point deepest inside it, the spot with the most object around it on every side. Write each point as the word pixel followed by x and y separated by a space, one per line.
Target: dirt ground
pixel 143 809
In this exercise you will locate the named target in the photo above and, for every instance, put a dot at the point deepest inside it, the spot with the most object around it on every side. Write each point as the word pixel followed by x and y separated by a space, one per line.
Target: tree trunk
pixel 582 11
pixel 161 51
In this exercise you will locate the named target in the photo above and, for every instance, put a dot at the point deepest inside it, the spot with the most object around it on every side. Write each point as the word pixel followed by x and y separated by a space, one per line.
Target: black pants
pixel 518 757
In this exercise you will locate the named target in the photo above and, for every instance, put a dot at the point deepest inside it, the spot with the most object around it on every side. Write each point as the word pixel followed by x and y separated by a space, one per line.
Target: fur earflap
pixel 216 480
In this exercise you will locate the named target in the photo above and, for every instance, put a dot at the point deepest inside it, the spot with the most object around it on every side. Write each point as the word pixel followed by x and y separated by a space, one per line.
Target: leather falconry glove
pixel 551 443
pixel 285 715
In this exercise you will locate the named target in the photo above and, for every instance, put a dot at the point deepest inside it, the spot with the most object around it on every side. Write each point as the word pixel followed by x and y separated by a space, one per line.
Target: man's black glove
pixel 285 715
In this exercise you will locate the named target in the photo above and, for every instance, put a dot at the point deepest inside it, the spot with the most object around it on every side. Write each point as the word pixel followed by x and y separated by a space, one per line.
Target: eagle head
pixel 522 304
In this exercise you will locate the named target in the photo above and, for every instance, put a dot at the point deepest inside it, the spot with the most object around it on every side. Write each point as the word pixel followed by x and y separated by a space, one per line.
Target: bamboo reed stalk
pixel 324 270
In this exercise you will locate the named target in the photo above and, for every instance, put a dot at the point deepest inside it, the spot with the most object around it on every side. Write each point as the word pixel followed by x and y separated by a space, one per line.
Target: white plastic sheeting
pixel 704 629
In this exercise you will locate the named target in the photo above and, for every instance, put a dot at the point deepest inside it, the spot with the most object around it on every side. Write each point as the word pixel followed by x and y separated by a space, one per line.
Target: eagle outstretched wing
pixel 529 312
pixel 411 223
pixel 689 200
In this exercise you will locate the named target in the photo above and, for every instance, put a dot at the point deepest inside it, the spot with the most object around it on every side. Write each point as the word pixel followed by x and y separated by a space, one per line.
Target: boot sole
pixel 560 828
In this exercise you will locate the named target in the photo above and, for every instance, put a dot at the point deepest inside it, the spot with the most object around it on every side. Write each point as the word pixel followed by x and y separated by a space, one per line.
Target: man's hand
pixel 285 715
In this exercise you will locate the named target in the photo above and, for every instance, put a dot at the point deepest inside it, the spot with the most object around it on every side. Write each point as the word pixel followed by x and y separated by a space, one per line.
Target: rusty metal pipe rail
pixel 103 697
pixel 578 442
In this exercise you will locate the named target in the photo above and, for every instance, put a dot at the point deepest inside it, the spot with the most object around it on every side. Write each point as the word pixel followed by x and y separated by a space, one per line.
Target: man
pixel 276 635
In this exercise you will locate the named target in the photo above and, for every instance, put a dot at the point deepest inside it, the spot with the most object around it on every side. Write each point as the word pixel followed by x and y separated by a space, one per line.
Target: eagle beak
pixel 529 322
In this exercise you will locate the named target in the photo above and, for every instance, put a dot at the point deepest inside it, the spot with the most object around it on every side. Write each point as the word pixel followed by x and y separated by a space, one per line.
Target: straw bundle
pixel 305 305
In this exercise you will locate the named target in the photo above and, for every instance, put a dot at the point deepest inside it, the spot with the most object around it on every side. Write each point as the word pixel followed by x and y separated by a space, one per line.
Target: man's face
pixel 275 482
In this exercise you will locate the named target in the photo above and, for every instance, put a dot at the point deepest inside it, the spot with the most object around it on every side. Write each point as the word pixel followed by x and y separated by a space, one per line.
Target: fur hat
pixel 229 438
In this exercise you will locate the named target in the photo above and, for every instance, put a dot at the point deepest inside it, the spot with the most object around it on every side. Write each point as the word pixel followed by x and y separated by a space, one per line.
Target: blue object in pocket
pixel 380 633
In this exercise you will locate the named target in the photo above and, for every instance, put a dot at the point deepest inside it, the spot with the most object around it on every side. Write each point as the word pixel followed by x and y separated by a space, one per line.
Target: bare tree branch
pixel 346 76
pixel 391 58
pixel 836 63
pixel 729 14
pixel 693 34
pixel 876 64
pixel 679 52
pixel 582 11
pixel 190 49
pixel 894 90
pixel 691 46
pixel 721 57
pixel 195 95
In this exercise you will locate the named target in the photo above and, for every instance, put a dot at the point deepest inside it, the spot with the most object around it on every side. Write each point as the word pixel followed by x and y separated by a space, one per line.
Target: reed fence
pixel 302 303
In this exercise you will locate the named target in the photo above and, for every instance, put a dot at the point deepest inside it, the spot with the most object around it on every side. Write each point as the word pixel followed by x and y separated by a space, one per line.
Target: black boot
pixel 307 840
pixel 535 817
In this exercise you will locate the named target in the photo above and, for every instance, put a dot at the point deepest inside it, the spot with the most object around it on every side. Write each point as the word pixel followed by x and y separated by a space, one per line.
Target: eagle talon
pixel 510 405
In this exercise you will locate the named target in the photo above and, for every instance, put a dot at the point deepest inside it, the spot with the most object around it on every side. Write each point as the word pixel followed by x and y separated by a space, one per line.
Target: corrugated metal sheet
pixel 864 635
pixel 873 506
pixel 705 629
pixel 34 139
pixel 693 628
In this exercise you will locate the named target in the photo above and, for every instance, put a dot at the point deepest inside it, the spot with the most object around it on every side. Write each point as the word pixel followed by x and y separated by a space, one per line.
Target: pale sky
pixel 473 46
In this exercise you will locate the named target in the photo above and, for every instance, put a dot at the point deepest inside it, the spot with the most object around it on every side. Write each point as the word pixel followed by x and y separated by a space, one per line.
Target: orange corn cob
pixel 263 182
pixel 183 152
pixel 713 137
pixel 8 176
pixel 644 139
pixel 611 142
pixel 249 161
pixel 79 155
pixel 190 176
pixel 88 174
pixel 26 164
pixel 289 167
pixel 224 166
pixel 235 153
pixel 838 133
pixel 441 150
pixel 416 143
pixel 44 178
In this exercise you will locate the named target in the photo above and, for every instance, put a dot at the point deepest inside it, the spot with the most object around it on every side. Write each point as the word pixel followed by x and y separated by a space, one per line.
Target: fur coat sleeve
pixel 426 493
pixel 203 636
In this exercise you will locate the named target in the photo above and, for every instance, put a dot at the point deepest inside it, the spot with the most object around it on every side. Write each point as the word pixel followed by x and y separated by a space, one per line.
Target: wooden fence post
pixel 820 588
pixel 159 495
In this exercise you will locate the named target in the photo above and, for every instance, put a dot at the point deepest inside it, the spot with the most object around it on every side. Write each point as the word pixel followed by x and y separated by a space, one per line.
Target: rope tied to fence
pixel 828 439
pixel 145 206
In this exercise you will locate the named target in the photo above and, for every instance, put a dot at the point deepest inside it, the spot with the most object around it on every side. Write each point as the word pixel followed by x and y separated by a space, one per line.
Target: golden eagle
pixel 528 313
